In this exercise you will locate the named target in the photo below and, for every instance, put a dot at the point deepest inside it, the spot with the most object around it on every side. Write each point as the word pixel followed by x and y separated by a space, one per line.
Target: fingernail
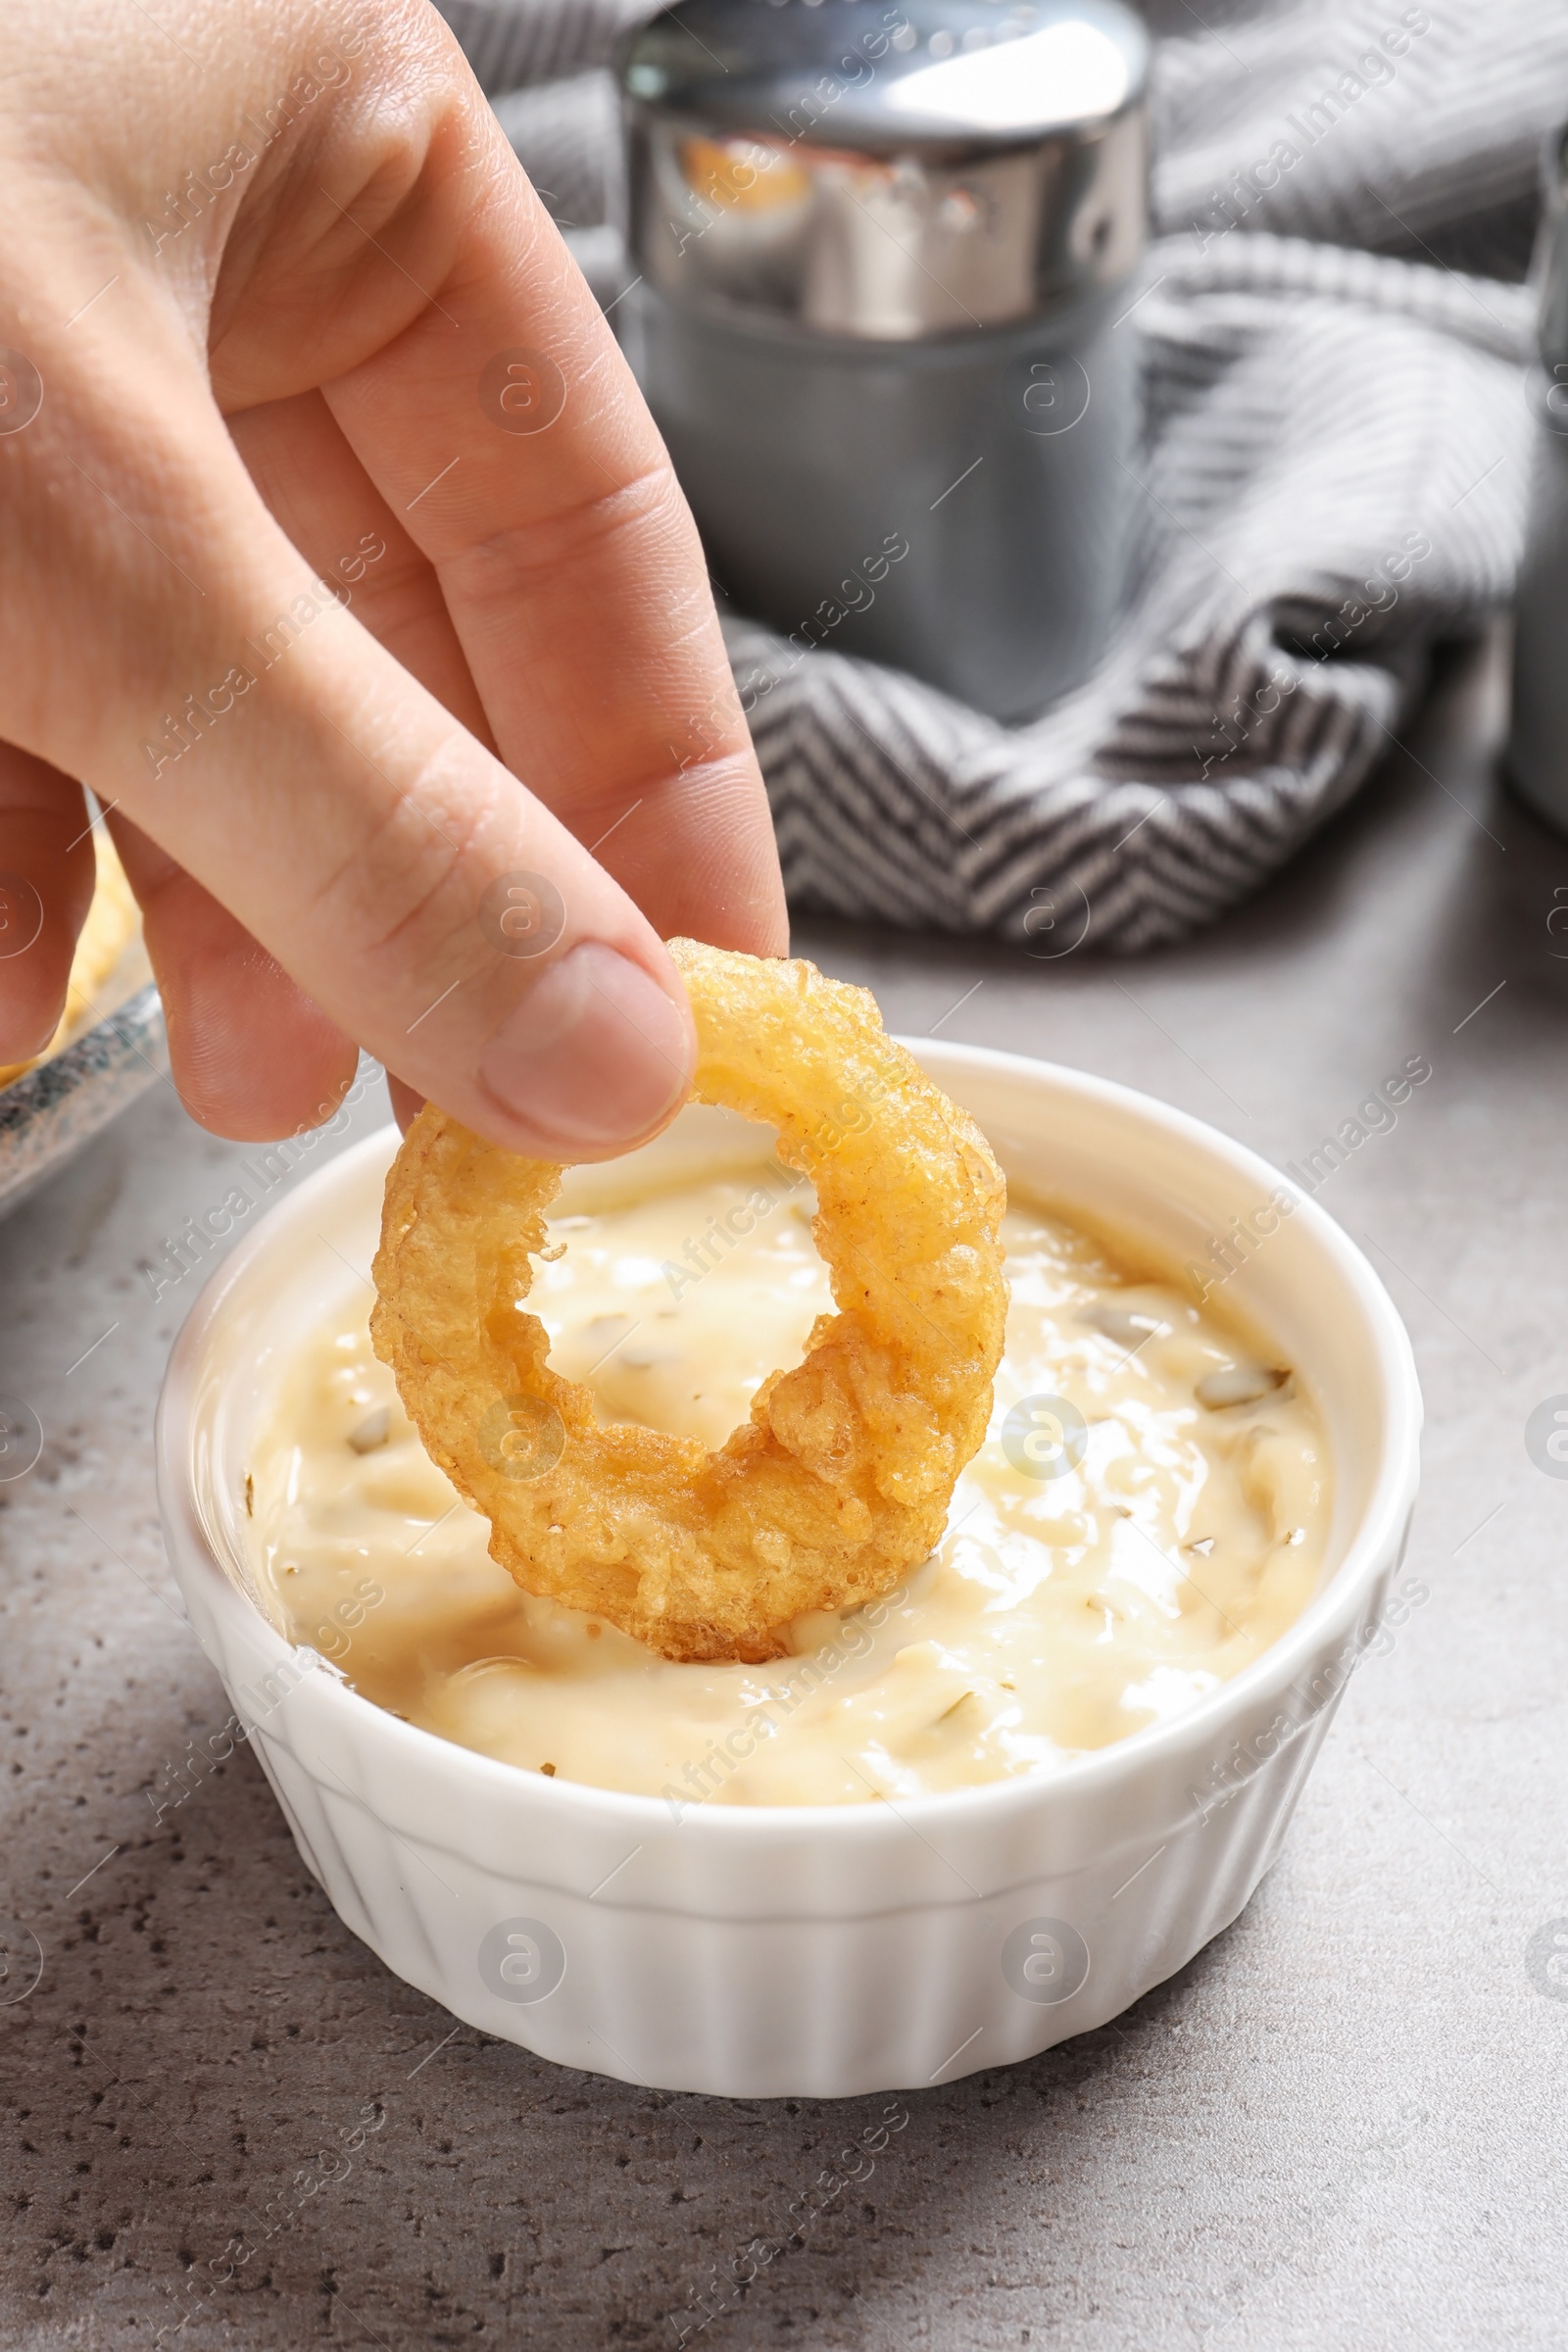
pixel 594 1055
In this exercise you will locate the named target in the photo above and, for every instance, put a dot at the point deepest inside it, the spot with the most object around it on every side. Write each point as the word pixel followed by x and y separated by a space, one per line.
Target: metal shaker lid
pixel 889 170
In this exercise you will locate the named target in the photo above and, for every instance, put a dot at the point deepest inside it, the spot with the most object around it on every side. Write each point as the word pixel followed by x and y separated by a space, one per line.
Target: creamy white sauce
pixel 1062 1611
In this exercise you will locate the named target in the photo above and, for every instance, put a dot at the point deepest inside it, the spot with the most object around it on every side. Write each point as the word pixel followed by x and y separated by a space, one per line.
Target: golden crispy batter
pixel 842 1478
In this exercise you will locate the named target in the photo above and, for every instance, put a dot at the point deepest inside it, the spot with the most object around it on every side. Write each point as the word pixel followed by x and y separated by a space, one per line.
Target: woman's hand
pixel 339 556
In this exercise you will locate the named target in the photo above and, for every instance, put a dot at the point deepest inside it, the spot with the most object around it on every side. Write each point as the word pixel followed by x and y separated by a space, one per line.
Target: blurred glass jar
pixel 885 249
pixel 1536 756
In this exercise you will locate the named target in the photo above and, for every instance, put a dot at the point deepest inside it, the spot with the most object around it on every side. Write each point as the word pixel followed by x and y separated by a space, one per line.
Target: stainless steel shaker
pixel 885 249
pixel 1536 756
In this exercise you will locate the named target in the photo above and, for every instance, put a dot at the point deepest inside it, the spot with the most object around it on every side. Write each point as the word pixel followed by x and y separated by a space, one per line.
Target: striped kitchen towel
pixel 1335 337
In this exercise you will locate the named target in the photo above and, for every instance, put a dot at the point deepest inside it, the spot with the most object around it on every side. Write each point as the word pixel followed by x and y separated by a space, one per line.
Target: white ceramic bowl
pixel 795 1949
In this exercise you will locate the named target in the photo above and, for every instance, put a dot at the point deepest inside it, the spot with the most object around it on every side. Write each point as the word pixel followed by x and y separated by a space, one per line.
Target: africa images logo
pixel 1546 1437
pixel 1046 1961
pixel 1045 1436
pixel 522 1960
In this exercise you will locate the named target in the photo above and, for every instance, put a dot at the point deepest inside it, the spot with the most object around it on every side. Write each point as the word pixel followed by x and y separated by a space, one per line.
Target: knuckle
pixel 406 889
pixel 523 557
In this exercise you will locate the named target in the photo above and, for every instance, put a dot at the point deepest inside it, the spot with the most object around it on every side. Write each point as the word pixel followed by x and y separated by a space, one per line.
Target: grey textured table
pixel 1340 2124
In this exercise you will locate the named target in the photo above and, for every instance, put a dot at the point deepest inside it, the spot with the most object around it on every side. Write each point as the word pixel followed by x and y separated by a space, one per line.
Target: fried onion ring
pixel 841 1479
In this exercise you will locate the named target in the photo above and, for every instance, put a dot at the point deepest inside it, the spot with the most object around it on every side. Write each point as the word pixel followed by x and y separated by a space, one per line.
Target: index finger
pixel 507 430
